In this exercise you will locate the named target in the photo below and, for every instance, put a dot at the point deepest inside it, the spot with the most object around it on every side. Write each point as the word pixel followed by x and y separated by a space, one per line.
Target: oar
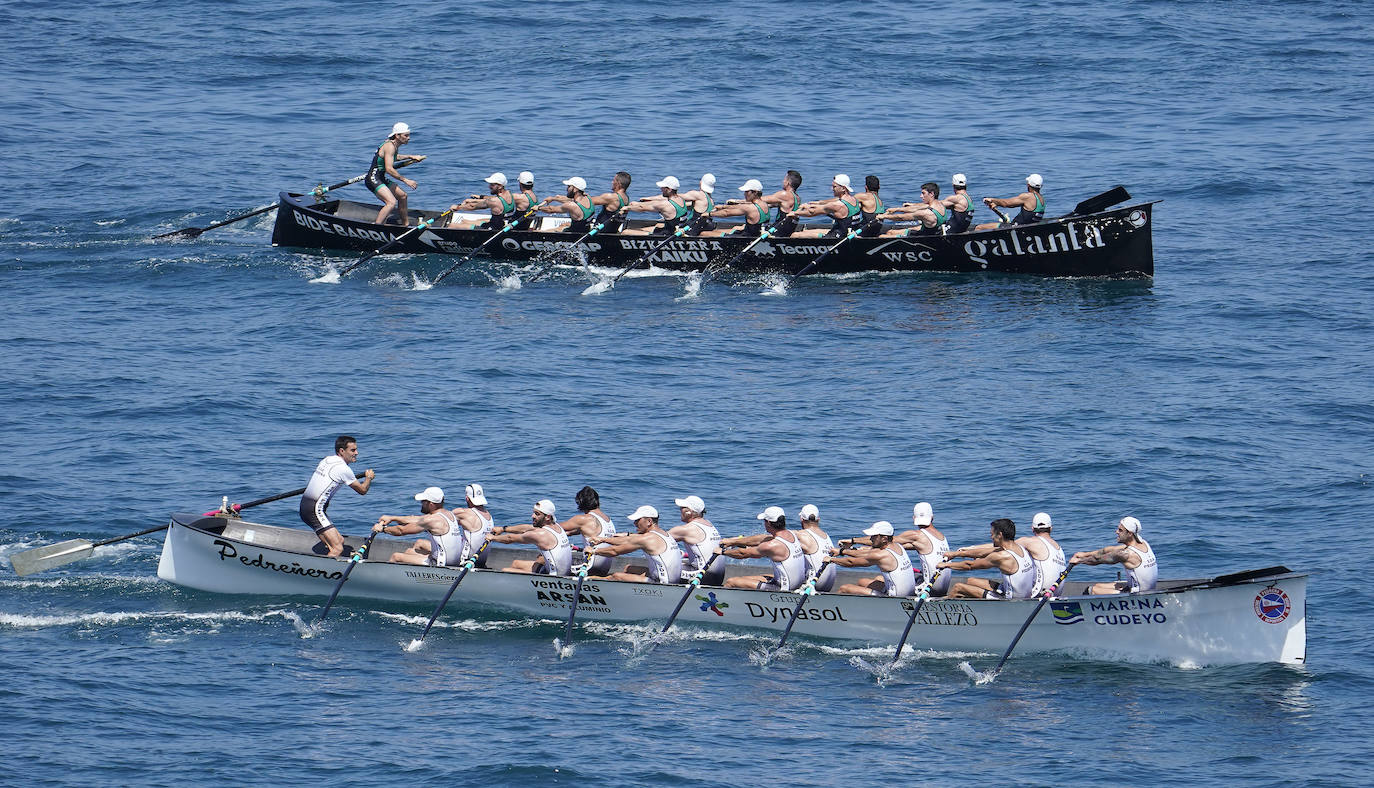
pixel 319 191
pixel 357 558
pixel 595 229
pixel 678 234
pixel 467 567
pixel 417 228
pixel 852 234
pixel 259 502
pixel 692 584
pixel 925 594
pixel 480 246
pixel 806 591
pixel 1044 597
pixel 577 595
pixel 713 268
pixel 1000 215
pixel 41 559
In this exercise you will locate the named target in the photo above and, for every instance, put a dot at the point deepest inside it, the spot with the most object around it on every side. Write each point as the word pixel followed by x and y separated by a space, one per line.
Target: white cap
pixel 752 185
pixel 691 502
pixel 497 177
pixel 772 514
pixel 668 183
pixel 1131 524
pixel 922 514
pixel 708 183
pixel 1040 520
pixel 809 512
pixel 474 494
pixel 1035 180
pixel 546 506
pixel 880 528
pixel 642 512
pixel 959 179
pixel 431 494
pixel 576 183
pixel 400 128
pixel 842 180
pixel 526 177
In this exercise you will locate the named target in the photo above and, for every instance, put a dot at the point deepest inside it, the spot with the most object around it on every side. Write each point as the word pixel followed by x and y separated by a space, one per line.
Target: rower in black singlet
pixel 683 214
pixel 1031 217
pixel 611 220
pixel 842 226
pixel 498 221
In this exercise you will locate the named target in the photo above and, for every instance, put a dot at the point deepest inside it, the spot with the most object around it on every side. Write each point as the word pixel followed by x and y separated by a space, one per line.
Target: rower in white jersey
pixel 476 523
pixel 700 540
pixel 664 565
pixel 929 545
pixel 1045 552
pixel 1006 556
pixel 779 545
pixel 882 552
pixel 1132 552
pixel 331 474
pixel 591 523
pixel 555 551
pixel 816 544
pixel 443 544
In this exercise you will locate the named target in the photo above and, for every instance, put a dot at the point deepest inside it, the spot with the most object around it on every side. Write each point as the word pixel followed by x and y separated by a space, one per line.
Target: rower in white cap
pixel 699 539
pixel 444 544
pixel 1030 202
pixel 1047 557
pixel 887 556
pixel 1132 552
pixel 665 559
pixel 577 205
pixel 843 209
pixel 752 208
pixel 499 201
pixel 383 169
pixel 544 532
pixel 669 205
pixel 476 521
pixel 1007 556
pixel 525 199
pixel 960 205
pixel 816 544
pixel 779 545
pixel 702 202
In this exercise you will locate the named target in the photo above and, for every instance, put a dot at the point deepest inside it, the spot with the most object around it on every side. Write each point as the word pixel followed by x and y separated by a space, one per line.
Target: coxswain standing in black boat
pixel 500 202
pixel 786 201
pixel 669 205
pixel 577 205
pixel 843 209
pixel 384 167
pixel 702 203
pixel 752 208
pixel 1030 202
pixel 331 474
pixel 931 213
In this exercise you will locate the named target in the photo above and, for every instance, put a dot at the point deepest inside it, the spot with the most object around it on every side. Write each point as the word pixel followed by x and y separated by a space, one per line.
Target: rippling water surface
pixel 1225 402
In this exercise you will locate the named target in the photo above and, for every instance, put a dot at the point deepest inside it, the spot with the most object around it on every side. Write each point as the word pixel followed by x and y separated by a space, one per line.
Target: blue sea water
pixel 1225 402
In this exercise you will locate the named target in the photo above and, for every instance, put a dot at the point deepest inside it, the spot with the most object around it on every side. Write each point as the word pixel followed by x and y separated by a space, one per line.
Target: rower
pixel 930 213
pixel 1045 551
pixel 843 209
pixel 577 205
pixel 525 199
pixel 669 205
pixel 870 208
pixel 1008 557
pixel 477 523
pixel 665 559
pixel 811 531
pixel 960 206
pixel 786 202
pixel 444 544
pixel 384 165
pixel 500 202
pixel 613 204
pixel 752 208
pixel 593 525
pixel 702 203
pixel 779 545
pixel 1132 552
pixel 1030 202
pixel 332 473
pixel 890 558
pixel 930 546
pixel 555 552
pixel 700 539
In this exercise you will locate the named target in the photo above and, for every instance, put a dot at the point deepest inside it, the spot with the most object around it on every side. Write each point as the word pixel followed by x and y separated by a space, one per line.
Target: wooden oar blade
pixel 1102 201
pixel 43 558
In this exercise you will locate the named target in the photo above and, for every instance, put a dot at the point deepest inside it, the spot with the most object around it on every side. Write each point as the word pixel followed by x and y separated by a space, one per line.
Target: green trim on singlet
pixel 1039 203
pixel 587 210
pixel 851 208
pixel 505 209
pixel 680 209
pixel 878 207
pixel 940 218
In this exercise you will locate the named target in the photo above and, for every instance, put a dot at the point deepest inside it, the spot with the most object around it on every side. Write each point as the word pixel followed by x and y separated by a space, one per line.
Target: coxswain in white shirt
pixel 1006 556
pixel 443 544
pixel 1132 552
pixel 779 545
pixel 883 553
pixel 699 540
pixel 591 523
pixel 332 473
pixel 555 551
pixel 663 563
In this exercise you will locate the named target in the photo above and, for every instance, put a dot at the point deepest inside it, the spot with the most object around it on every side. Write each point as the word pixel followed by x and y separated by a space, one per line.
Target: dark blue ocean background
pixel 1225 402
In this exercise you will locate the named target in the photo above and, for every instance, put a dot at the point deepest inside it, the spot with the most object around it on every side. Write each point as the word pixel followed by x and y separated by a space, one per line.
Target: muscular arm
pixel 770 548
pixel 657 205
pixel 1112 554
pixel 1023 200
pixel 406 524
pixel 1000 560
pixel 818 208
pixel 361 487
pixel 620 546
pixel 973 551
pixel 745 541
pixel 863 556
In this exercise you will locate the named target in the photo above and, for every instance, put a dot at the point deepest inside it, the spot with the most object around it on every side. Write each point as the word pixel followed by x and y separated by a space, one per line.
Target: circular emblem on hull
pixel 1136 218
pixel 1272 605
pixel 510 243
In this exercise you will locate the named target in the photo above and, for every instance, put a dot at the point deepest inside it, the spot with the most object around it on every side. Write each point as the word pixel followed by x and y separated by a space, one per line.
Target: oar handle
pixel 145 532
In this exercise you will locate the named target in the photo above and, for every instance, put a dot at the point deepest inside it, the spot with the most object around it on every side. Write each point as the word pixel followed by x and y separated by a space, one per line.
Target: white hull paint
pixel 1196 623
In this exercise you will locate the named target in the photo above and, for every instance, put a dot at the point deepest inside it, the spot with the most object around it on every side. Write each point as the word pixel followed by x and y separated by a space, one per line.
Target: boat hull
pixel 1260 619
pixel 1113 243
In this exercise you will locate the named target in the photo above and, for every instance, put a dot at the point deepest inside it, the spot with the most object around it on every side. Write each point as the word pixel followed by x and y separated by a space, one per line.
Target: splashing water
pixel 978 677
pixel 880 673
pixel 597 288
pixel 563 651
pixel 418 283
pixel 413 645
pixel 691 287
pixel 777 288
pixel 509 283
pixel 329 277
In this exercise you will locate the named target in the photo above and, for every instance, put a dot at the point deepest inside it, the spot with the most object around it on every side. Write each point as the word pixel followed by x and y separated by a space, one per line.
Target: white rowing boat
pixel 1247 617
